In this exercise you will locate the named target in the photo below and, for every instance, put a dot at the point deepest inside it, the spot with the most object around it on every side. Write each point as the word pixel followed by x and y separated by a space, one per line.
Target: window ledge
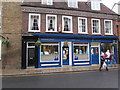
pixel 96 33
pixel 52 31
pixel 66 32
pixel 108 34
pixel 33 30
pixel 82 33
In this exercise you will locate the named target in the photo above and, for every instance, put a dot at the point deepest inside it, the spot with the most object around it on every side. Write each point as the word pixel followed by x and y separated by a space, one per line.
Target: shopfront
pixel 57 50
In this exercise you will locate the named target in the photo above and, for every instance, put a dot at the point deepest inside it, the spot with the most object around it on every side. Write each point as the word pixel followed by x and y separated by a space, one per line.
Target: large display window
pixel 49 52
pixel 81 51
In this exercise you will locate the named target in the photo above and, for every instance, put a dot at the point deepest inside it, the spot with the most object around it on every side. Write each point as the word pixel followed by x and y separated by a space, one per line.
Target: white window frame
pixel 75 1
pixel 71 28
pixel 95 5
pixel 51 44
pixel 111 27
pixel 29 26
pixel 47 3
pixel 85 26
pixel 87 44
pixel 99 26
pixel 47 22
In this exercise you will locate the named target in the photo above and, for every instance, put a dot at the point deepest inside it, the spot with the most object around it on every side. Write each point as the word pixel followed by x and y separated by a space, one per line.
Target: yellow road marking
pixel 52 73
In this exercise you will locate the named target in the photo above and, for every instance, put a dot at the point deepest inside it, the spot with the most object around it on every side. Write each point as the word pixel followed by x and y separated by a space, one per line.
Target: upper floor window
pixel 73 3
pixel 47 2
pixel 82 25
pixel 51 23
pixel 96 26
pixel 108 27
pixel 67 24
pixel 95 5
pixel 34 23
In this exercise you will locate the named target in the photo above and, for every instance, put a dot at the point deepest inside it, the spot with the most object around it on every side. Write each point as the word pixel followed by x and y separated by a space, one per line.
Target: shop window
pixel 95 26
pixel 82 25
pixel 73 3
pixel 34 23
pixel 47 2
pixel 49 52
pixel 51 23
pixel 107 46
pixel 108 27
pixel 67 24
pixel 81 51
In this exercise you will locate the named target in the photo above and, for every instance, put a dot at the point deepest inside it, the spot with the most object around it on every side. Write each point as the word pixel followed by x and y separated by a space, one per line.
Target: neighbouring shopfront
pixel 57 50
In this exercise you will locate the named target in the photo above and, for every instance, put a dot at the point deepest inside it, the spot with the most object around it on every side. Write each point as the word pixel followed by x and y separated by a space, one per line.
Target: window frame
pixel 83 44
pixel 94 4
pixel 29 24
pixel 69 17
pixel 76 2
pixel 99 26
pixel 86 31
pixel 47 15
pixel 110 27
pixel 47 2
pixel 51 44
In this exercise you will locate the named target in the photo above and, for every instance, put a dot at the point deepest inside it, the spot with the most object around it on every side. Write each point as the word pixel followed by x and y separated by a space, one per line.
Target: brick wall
pixel 59 21
pixel 11 22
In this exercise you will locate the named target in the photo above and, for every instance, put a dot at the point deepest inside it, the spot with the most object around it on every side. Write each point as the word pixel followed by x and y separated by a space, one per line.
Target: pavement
pixel 32 70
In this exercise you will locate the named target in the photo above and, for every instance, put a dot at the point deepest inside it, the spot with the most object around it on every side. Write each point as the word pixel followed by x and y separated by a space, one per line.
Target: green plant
pixel 37 43
pixel 6 42
pixel 114 44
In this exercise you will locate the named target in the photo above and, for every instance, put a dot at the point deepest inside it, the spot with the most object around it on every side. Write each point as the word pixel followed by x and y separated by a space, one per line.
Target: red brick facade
pixel 59 21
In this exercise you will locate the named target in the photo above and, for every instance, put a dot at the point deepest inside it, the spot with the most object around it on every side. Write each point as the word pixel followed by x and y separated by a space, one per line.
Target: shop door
pixel 31 54
pixel 95 55
pixel 65 55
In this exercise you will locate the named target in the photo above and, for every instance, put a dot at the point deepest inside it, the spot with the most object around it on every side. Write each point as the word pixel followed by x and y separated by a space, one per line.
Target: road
pixel 91 79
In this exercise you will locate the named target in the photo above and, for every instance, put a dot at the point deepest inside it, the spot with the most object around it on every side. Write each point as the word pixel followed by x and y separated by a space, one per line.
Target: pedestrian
pixel 107 59
pixel 103 64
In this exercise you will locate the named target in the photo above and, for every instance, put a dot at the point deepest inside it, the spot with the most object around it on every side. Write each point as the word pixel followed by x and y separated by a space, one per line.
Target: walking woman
pixel 103 56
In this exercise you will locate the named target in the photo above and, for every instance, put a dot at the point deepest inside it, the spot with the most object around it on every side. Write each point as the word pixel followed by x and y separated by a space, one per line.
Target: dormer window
pixel 73 3
pixel 47 2
pixel 95 4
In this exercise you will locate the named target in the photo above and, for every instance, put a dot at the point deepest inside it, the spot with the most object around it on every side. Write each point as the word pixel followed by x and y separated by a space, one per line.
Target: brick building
pixel 11 18
pixel 69 33
pixel 72 34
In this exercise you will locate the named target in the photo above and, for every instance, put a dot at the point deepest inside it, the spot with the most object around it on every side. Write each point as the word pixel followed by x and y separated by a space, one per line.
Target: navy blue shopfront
pixel 67 54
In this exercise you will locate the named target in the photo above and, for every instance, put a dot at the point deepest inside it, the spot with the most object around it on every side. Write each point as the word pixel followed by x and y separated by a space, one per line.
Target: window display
pixel 49 52
pixel 81 51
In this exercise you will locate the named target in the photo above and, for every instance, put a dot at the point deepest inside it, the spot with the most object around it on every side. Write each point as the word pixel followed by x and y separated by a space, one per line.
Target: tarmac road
pixel 88 79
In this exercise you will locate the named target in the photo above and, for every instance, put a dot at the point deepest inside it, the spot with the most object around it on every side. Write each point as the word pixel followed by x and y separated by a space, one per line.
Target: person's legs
pixel 106 68
pixel 101 66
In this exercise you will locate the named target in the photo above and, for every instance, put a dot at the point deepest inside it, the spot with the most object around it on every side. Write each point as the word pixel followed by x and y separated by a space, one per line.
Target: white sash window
pixel 51 23
pixel 108 27
pixel 82 25
pixel 96 26
pixel 34 23
pixel 67 24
